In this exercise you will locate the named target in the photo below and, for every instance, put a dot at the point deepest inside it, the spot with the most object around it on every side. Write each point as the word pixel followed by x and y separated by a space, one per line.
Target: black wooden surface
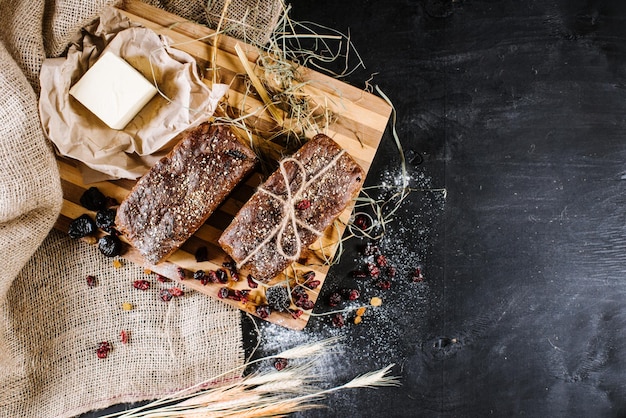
pixel 518 109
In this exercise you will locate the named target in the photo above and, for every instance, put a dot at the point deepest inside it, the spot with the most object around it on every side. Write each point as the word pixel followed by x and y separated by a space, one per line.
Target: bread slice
pixel 179 193
pixel 292 208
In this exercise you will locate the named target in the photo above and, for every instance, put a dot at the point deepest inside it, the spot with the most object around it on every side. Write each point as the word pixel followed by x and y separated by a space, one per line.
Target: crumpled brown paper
pixel 184 100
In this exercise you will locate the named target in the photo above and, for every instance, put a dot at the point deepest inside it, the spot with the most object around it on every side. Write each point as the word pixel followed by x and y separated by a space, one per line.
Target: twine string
pixel 290 217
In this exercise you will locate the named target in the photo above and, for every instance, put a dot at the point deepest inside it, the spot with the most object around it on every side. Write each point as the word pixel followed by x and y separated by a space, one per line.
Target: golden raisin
pixel 147 271
pixel 357 320
pixel 360 311
pixel 127 306
pixel 117 263
pixel 376 301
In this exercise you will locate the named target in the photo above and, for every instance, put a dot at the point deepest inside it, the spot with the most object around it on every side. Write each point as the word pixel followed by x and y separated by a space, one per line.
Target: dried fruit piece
pixel 361 311
pixel 176 291
pixel 163 279
pixel 334 299
pixel 82 227
pixel 381 260
pixel 357 320
pixel 103 349
pixel 384 284
pixel 376 301
pixel 124 336
pixel 117 264
pixel 278 298
pixel 338 320
pixel 165 295
pixel 263 311
pixel 105 220
pixel 417 275
pixel 252 282
pixel 222 276
pixel 93 199
pixel 280 363
pixel 127 306
pixel 350 294
pixel 361 221
pixel 141 284
pixel 91 281
pixel 232 268
pixel 110 245
pixel 296 313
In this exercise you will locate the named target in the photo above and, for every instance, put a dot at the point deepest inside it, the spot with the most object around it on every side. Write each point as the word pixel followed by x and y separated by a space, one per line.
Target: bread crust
pixel 179 193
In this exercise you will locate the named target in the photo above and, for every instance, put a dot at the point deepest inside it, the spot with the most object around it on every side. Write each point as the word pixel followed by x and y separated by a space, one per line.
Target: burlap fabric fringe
pixel 50 321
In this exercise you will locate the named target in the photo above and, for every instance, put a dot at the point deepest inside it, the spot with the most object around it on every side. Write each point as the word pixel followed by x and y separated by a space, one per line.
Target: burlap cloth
pixel 51 321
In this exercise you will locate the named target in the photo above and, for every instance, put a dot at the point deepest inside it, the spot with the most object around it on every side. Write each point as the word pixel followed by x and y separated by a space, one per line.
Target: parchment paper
pixel 184 100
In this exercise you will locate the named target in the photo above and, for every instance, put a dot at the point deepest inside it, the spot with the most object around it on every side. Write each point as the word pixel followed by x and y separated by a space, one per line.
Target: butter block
pixel 113 90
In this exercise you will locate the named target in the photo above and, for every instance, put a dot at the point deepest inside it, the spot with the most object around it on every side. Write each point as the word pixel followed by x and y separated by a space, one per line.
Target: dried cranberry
pixel 278 298
pixel 299 292
pixel 313 284
pixel 232 268
pixel 91 281
pixel 211 277
pixel 176 292
pixel 417 275
pixel 124 335
pixel 307 304
pixel 304 204
pixel 338 320
pixel 163 279
pixel 103 349
pixel 384 284
pixel 391 271
pixel 110 245
pixel 199 275
pixel 334 299
pixel 222 293
pixel 373 270
pixel 141 284
pixel 280 363
pixel 222 277
pixel 361 221
pixel 93 199
pixel 350 294
pixel 263 311
pixel 296 313
pixel 202 254
pixel 82 227
pixel 251 282
pixel 105 220
pixel 381 260
pixel 165 295
pixel 182 274
pixel 309 275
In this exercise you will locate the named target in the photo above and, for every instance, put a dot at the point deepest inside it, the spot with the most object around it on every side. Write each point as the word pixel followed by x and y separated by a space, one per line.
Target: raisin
pixel 278 298
pixel 381 260
pixel 232 268
pixel 199 275
pixel 338 320
pixel 373 270
pixel 93 199
pixel 103 349
pixel 91 281
pixel 182 274
pixel 82 227
pixel 296 313
pixel 110 245
pixel 384 284
pixel 222 277
pixel 105 220
pixel 361 221
pixel 350 294
pixel 251 282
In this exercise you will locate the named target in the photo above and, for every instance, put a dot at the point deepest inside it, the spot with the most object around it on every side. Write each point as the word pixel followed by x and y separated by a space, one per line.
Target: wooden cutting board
pixel 361 119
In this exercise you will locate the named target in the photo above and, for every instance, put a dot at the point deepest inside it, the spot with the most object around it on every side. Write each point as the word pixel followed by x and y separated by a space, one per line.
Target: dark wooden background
pixel 518 109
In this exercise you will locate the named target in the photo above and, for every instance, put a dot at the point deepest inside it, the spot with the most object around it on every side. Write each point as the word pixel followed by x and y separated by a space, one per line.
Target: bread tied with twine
pixel 294 206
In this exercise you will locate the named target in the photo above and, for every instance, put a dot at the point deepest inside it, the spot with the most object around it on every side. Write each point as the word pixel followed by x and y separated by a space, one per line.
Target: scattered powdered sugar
pixel 386 333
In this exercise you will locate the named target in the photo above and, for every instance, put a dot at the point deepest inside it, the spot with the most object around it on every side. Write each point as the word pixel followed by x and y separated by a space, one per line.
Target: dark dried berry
pixel 307 304
pixel 299 292
pixel 93 199
pixel 350 294
pixel 110 245
pixel 381 260
pixel 252 282
pixel 304 204
pixel 82 227
pixel 334 299
pixel 211 277
pixel 103 349
pixel 384 284
pixel 309 275
pixel 263 311
pixel 202 254
pixel 391 271
pixel 338 320
pixel 280 363
pixel 313 284
pixel 278 298
pixel 199 275
pixel 236 154
pixel 141 284
pixel 91 281
pixel 111 201
pixel 222 293
pixel 182 274
pixel 232 269
pixel 222 276
pixel 361 221
pixel 105 220
pixel 165 295
pixel 176 292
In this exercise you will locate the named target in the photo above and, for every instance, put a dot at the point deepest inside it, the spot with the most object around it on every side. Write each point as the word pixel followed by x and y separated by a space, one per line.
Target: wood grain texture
pixel 359 127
